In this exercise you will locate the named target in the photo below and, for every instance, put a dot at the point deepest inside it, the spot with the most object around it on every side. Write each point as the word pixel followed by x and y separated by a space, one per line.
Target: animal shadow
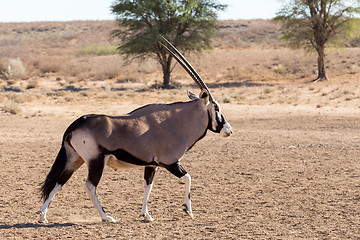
pixel 34 225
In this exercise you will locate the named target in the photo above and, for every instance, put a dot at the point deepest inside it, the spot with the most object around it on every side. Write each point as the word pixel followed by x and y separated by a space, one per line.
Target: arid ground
pixel 290 170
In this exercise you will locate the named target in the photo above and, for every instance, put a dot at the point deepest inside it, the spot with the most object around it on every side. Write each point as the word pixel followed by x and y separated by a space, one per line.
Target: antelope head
pixel 217 120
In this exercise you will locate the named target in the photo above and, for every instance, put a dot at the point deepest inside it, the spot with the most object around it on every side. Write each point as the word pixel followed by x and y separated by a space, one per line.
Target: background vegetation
pixel 249 64
pixel 189 25
pixel 83 52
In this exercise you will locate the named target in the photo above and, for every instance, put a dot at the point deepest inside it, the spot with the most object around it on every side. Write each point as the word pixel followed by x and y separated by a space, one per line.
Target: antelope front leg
pixel 187 201
pixel 148 183
pixel 180 172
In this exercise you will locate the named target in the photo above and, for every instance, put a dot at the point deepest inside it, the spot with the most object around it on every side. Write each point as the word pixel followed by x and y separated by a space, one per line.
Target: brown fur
pixel 161 131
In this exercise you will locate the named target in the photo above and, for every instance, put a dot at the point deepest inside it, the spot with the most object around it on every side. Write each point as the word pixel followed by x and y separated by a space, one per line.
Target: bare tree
pixel 317 24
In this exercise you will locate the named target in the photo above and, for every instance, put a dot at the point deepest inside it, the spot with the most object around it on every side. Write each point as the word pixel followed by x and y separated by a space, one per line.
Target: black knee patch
pixel 176 169
pixel 149 174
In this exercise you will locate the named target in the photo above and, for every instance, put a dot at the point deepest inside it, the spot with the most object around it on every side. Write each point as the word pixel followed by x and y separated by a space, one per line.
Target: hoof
pixel 188 211
pixel 190 214
pixel 42 218
pixel 109 219
pixel 147 217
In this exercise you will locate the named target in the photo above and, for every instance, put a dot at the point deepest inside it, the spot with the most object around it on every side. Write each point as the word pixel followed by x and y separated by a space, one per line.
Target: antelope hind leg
pixel 44 208
pixel 73 162
pixel 96 168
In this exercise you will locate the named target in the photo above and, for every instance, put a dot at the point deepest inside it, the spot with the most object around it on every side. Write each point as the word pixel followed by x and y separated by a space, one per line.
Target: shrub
pixel 227 99
pixel 99 50
pixel 49 67
pixel 32 84
pixel 2 67
pixel 15 69
pixel 11 107
pixel 268 90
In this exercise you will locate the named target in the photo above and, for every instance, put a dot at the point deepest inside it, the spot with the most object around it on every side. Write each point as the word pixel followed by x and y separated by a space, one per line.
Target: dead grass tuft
pixel 11 107
pixel 15 69
pixel 227 99
pixel 32 84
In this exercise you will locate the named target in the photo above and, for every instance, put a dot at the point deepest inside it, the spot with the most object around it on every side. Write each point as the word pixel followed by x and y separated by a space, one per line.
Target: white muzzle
pixel 226 130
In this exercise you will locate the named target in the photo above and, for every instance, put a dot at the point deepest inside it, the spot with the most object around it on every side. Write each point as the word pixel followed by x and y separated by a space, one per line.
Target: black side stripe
pixel 125 156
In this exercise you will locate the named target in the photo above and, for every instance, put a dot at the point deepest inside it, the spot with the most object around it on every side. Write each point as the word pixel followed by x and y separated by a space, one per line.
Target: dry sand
pixel 288 172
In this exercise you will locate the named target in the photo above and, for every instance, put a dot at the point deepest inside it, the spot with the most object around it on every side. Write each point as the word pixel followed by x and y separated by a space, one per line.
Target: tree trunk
pixel 321 64
pixel 166 77
pixel 166 73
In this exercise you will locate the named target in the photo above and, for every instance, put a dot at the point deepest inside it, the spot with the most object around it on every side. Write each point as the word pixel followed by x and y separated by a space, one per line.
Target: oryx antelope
pixel 156 135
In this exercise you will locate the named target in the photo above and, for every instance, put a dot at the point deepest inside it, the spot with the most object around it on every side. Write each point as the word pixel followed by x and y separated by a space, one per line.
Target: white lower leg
pixel 144 210
pixel 45 206
pixel 187 201
pixel 91 191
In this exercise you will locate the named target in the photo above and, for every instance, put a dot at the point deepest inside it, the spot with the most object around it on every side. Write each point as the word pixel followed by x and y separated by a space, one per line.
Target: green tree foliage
pixel 317 24
pixel 188 24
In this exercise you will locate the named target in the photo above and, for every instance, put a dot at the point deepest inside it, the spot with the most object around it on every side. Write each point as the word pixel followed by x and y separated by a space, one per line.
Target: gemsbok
pixel 153 136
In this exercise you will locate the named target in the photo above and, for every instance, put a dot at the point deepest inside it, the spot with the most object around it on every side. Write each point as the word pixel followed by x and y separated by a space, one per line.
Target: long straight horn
pixel 187 66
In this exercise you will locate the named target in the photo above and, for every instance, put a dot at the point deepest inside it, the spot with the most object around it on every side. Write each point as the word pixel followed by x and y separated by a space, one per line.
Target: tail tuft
pixel 54 174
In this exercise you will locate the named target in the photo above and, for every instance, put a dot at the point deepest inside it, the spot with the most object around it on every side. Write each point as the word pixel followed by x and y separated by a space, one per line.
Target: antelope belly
pixel 115 163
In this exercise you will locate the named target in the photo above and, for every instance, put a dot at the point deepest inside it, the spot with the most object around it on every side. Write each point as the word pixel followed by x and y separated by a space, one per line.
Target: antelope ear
pixel 204 96
pixel 192 96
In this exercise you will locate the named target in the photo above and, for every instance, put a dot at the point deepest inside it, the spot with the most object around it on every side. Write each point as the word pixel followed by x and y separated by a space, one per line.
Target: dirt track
pixel 286 173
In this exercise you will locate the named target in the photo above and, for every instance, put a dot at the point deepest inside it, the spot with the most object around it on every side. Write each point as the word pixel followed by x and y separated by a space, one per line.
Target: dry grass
pixel 248 34
pixel 248 65
pixel 11 107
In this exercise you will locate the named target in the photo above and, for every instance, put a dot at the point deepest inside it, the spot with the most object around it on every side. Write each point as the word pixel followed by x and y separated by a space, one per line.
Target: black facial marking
pixel 219 122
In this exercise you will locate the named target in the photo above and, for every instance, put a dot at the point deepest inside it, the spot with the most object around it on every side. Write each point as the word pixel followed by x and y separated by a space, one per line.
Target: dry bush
pixel 50 65
pixel 32 84
pixel 98 50
pixel 90 71
pixel 15 69
pixel 11 107
pixel 227 99
pixel 46 64
pixel 3 66
pixel 126 78
pixel 107 72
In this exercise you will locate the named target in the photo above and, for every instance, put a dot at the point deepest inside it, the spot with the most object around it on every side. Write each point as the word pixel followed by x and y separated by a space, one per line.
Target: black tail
pixel 54 174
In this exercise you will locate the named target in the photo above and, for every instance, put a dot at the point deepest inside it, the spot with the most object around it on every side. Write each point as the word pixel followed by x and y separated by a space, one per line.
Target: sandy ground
pixel 288 172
